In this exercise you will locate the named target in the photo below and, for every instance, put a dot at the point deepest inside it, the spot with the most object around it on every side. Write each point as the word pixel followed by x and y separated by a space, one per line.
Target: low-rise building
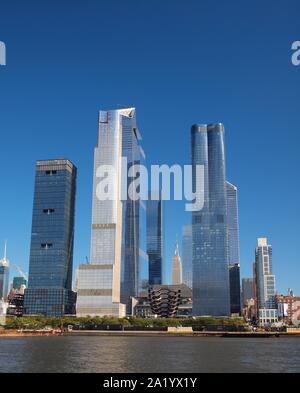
pixel 142 305
pixel 288 308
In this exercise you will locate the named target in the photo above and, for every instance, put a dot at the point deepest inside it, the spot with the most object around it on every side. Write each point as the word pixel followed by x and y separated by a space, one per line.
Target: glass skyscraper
pixel 235 288
pixel 209 226
pixel 233 224
pixel 51 253
pixel 106 285
pixel 187 263
pixel 233 248
pixel 155 240
pixel 4 278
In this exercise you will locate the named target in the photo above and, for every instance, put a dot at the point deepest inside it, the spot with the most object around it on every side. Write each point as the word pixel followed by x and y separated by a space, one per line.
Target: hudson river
pixel 149 354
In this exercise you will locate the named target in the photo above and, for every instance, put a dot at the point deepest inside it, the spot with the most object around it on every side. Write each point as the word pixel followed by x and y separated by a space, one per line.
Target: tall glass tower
pixel 51 253
pixel 209 226
pixel 233 224
pixel 106 285
pixel 155 240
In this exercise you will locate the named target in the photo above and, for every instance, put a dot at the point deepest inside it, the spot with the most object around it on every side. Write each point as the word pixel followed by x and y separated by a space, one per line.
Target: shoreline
pixel 103 333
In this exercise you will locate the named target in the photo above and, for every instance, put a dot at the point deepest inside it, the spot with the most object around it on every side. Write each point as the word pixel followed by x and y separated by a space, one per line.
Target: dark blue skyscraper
pixel 51 254
pixel 209 225
pixel 233 248
pixel 155 240
pixel 233 224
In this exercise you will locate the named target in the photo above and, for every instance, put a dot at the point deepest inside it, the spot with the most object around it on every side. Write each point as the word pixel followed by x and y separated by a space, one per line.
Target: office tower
pixel 265 282
pixel 235 288
pixel 187 264
pixel 209 225
pixel 4 276
pixel 49 289
pixel 233 227
pixel 247 290
pixel 106 285
pixel 18 282
pixel 155 240
pixel 176 267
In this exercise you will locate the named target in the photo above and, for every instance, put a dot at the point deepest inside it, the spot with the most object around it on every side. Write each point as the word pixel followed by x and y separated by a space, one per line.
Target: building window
pixel 50 173
pixel 220 219
pixel 45 246
pixel 48 211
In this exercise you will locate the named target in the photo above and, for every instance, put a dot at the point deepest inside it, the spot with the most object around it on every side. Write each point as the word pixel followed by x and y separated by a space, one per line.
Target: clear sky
pixel 178 62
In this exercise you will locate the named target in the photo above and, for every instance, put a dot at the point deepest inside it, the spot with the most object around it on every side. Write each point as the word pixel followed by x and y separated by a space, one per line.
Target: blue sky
pixel 179 63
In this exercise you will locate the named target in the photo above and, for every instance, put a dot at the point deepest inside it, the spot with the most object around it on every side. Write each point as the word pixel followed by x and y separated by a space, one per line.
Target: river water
pixel 149 354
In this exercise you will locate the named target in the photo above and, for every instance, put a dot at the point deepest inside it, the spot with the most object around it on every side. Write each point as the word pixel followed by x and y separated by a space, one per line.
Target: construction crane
pixel 18 269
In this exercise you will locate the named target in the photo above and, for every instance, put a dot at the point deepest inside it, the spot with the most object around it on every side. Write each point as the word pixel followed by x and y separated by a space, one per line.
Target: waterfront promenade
pixel 39 333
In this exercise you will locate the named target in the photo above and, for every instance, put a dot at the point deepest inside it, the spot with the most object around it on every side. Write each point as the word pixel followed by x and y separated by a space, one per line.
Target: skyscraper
pixel 187 263
pixel 235 288
pixel 105 285
pixel 51 253
pixel 233 227
pixel 247 290
pixel 4 276
pixel 176 267
pixel 209 225
pixel 265 281
pixel 155 240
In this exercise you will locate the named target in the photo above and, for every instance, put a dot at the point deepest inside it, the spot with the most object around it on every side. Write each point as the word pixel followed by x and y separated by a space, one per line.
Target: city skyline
pixel 231 85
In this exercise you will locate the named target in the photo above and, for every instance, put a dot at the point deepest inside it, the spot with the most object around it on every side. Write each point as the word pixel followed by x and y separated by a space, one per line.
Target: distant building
pixel 155 240
pixel 176 267
pixel 4 276
pixel 265 282
pixel 187 255
pixel 288 307
pixel 247 290
pixel 49 289
pixel 249 310
pixel 18 282
pixel 235 289
pixel 211 293
pixel 16 304
pixel 3 310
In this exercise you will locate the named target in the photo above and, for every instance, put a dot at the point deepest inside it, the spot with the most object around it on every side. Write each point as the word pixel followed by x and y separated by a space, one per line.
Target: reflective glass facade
pixel 116 222
pixel 4 279
pixel 133 211
pixel 51 252
pixel 155 240
pixel 233 225
pixel 235 288
pixel 209 225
